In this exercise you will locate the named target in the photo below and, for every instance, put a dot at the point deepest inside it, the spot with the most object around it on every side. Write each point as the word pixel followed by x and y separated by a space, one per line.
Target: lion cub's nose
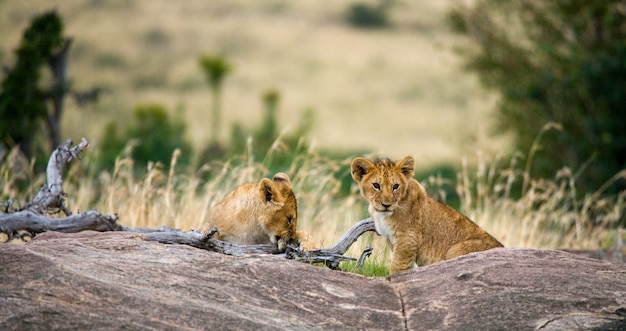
pixel 386 206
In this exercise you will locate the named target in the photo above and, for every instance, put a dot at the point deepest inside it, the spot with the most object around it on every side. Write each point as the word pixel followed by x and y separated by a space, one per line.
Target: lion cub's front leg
pixel 404 253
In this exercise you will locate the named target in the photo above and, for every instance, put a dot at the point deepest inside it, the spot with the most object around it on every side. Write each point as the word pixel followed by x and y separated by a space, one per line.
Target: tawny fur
pixel 258 213
pixel 419 228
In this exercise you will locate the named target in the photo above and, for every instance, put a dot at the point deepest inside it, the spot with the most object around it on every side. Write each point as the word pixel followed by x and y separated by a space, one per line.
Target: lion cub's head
pixel 279 216
pixel 382 182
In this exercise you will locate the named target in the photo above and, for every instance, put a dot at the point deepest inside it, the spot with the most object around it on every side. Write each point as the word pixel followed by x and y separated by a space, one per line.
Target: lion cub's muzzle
pixel 385 206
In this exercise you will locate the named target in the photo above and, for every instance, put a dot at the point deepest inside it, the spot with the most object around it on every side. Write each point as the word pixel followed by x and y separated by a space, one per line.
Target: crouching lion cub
pixel 258 213
pixel 418 227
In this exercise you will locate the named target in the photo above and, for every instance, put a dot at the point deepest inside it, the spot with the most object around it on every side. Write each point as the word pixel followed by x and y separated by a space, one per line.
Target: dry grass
pixel 540 213
pixel 547 213
pixel 543 213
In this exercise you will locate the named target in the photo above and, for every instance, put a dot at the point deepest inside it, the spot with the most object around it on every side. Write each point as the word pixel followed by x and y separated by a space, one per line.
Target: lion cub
pixel 258 213
pixel 418 227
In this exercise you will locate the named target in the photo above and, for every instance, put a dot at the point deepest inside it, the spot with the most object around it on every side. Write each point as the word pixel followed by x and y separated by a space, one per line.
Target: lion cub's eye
pixel 376 186
pixel 396 186
pixel 289 219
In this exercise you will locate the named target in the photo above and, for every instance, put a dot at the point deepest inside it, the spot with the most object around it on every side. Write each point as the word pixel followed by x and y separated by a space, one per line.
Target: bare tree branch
pixel 330 256
pixel 206 241
pixel 333 255
pixel 51 195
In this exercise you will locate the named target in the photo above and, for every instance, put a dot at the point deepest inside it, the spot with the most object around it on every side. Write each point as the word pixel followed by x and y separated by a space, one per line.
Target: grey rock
pixel 117 280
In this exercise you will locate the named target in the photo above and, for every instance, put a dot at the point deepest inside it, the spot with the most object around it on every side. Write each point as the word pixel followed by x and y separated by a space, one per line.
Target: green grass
pixel 370 268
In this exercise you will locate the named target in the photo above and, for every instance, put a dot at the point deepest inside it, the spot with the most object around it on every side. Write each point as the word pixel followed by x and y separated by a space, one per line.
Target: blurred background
pixel 393 87
pixel 504 94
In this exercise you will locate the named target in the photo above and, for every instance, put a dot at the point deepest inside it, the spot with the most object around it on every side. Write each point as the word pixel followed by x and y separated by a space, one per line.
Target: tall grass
pixel 543 213
pixel 523 211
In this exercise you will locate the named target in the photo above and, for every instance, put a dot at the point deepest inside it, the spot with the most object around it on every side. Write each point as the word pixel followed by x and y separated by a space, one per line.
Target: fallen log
pixel 29 223
pixel 331 256
pixel 205 241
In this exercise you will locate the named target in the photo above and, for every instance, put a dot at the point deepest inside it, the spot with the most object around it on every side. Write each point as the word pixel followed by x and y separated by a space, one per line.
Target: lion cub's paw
pixel 306 240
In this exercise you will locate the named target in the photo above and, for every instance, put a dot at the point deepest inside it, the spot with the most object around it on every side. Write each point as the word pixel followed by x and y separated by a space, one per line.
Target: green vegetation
pixel 153 135
pixel 364 15
pixel 560 62
pixel 22 99
pixel 215 69
pixel 369 268
pixel 276 149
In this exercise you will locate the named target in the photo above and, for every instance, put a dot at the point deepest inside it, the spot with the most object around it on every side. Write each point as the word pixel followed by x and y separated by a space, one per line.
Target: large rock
pixel 515 289
pixel 117 280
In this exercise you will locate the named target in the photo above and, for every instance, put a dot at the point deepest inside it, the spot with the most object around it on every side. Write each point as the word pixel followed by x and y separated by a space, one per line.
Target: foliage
pixel 215 68
pixel 22 100
pixel 561 61
pixel 152 133
pixel 363 15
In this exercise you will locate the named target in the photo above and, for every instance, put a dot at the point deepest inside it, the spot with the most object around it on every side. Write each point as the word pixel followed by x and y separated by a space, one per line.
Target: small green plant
pixel 370 268
pixel 363 15
pixel 215 68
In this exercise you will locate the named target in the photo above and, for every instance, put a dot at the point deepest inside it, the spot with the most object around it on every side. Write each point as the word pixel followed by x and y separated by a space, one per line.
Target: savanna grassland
pixel 393 92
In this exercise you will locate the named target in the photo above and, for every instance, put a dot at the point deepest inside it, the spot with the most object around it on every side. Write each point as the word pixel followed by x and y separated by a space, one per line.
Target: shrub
pixel 22 101
pixel 364 15
pixel 154 135
pixel 561 61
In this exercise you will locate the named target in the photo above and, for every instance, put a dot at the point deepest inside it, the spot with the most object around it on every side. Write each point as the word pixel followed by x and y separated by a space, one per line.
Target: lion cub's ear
pixel 268 190
pixel 406 166
pixel 282 177
pixel 360 167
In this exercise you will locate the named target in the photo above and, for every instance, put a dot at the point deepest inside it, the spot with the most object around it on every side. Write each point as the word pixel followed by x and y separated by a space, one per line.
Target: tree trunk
pixel 58 66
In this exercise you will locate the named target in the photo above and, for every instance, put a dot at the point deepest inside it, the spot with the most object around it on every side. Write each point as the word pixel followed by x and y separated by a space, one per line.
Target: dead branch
pixel 34 223
pixel 333 255
pixel 51 195
pixel 330 256
pixel 205 241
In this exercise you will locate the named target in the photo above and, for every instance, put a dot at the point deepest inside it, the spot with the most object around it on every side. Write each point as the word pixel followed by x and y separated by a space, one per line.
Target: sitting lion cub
pixel 418 227
pixel 258 213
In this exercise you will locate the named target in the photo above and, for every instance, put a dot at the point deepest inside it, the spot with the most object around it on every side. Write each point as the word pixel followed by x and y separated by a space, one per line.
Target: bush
pixel 154 134
pixel 563 62
pixel 22 101
pixel 363 15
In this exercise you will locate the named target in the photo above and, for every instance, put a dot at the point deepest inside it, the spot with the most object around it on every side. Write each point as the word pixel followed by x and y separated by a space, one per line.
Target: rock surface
pixel 116 280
